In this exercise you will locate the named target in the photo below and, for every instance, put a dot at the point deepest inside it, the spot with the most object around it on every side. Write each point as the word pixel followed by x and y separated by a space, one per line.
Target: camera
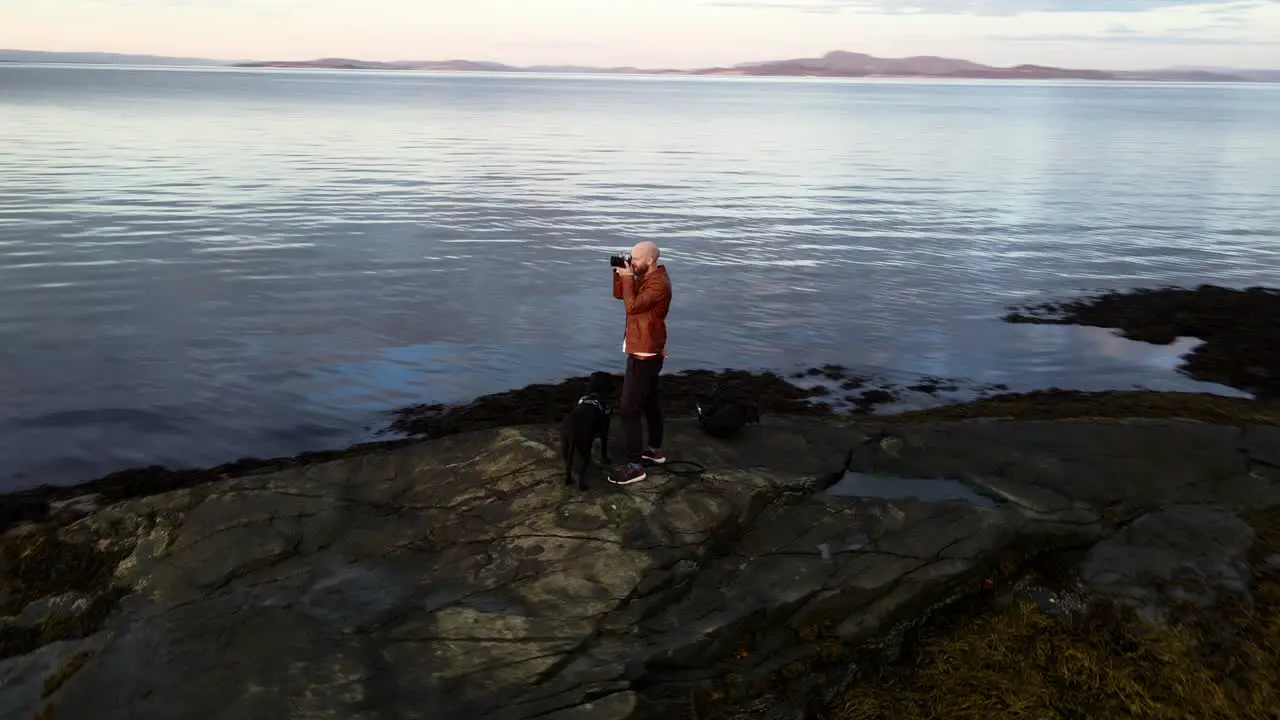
pixel 620 261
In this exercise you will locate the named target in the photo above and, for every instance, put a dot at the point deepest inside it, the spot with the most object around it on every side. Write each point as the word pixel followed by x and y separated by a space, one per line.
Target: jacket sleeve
pixel 617 286
pixel 644 300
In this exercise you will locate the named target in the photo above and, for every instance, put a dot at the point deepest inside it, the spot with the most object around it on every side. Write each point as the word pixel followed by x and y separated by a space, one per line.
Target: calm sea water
pixel 197 265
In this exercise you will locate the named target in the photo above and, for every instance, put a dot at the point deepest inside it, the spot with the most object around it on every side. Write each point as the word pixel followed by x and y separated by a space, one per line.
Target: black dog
pixel 586 422
pixel 722 415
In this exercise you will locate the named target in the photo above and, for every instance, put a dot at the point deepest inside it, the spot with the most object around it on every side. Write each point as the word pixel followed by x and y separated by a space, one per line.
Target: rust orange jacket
pixel 647 298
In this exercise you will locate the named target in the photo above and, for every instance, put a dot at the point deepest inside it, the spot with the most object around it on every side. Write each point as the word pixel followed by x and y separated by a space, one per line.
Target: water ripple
pixel 196 266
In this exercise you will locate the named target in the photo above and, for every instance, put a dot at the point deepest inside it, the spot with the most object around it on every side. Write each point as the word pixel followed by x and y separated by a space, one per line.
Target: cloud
pixel 1234 7
pixel 1132 39
pixel 558 44
pixel 821 8
pixel 1001 8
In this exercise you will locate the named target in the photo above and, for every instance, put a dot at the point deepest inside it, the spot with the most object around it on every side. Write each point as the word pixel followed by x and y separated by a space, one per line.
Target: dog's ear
pixel 708 403
pixel 601 383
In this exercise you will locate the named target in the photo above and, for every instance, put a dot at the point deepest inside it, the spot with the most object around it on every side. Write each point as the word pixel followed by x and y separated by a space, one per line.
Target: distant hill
pixel 446 66
pixel 1249 75
pixel 1260 75
pixel 834 64
pixel 1173 75
pixel 99 58
pixel 588 70
pixel 349 64
pixel 838 63
pixel 848 64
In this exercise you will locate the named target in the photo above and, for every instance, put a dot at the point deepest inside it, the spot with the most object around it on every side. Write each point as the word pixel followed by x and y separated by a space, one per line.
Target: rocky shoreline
pixel 1241 346
pixel 459 574
pixel 1241 350
pixel 544 404
pixel 1119 551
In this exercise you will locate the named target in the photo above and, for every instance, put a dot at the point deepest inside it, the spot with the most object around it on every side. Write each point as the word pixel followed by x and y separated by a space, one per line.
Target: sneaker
pixel 655 456
pixel 627 474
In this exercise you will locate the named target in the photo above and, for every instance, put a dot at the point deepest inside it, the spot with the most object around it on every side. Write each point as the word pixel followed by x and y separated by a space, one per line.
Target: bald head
pixel 644 256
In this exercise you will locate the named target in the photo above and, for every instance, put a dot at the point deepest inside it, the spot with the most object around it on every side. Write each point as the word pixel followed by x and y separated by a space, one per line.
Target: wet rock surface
pixel 531 405
pixel 1182 556
pixel 831 391
pixel 1118 466
pixel 547 403
pixel 459 578
pixel 1058 404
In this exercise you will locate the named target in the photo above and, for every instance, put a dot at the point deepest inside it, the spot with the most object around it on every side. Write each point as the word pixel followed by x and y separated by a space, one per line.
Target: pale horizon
pixel 1101 34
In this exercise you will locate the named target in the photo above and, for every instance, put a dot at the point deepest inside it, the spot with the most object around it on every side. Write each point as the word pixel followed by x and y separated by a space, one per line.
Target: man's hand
pixel 624 272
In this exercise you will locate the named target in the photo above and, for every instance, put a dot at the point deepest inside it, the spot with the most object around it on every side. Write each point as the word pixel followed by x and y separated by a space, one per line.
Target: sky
pixel 1116 34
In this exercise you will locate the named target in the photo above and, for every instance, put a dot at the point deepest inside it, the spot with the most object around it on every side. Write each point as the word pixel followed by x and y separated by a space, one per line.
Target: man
pixel 645 292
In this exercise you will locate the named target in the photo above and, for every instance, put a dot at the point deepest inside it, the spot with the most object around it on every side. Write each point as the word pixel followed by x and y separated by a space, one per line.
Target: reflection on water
pixel 198 265
pixel 863 485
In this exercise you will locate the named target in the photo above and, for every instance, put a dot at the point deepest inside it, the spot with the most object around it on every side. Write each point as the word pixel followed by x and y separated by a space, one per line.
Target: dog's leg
pixel 604 441
pixel 586 460
pixel 567 448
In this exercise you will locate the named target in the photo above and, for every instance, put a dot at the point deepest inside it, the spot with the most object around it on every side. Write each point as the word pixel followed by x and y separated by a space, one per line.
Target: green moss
pixel 1023 663
pixel 40 564
pixel 823 659
pixel 971 660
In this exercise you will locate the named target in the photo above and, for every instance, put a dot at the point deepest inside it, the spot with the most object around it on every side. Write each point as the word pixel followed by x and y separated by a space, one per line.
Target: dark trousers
pixel 640 397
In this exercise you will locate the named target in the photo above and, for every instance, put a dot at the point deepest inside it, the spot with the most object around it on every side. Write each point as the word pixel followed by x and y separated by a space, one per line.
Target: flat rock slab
pixel 890 487
pixel 1050 465
pixel 1182 555
pixel 454 578
pixel 460 578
